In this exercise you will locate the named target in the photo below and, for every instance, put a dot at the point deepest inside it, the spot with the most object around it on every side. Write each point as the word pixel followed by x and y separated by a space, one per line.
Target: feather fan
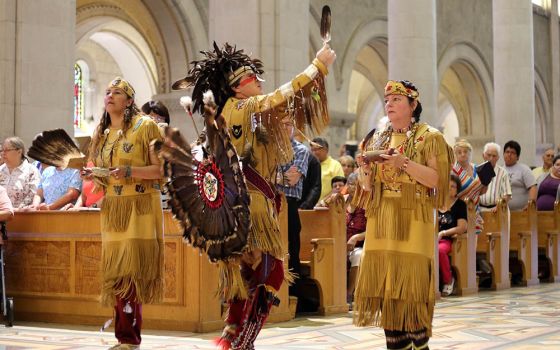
pixel 209 198
pixel 56 148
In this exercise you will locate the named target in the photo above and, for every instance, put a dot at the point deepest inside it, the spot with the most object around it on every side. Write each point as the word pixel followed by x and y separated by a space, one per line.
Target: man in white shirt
pixel 499 187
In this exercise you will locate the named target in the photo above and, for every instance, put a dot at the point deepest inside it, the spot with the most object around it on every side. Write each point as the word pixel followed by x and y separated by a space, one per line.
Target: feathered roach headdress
pixel 218 71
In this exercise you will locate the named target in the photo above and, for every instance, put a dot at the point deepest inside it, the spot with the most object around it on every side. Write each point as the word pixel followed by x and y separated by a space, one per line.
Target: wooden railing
pixel 52 269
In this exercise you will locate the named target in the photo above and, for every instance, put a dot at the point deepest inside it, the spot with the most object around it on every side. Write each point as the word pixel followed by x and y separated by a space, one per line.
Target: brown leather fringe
pixel 132 263
pixel 265 235
pixel 309 109
pixel 394 291
pixel 121 210
pixel 393 221
pixel 230 284
pixel 436 146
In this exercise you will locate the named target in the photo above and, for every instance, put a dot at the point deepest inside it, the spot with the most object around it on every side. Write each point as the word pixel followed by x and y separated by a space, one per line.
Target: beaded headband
pixel 124 85
pixel 397 88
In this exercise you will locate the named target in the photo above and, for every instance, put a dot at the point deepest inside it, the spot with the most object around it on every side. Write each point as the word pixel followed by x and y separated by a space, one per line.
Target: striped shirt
pixel 470 185
pixel 498 188
pixel 301 161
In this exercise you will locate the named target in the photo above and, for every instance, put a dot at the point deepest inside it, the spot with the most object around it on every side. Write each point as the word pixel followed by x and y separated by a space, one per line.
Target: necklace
pixel 382 142
pixel 112 146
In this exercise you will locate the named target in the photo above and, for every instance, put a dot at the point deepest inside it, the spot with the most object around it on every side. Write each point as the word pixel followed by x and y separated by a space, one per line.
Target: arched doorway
pixel 465 93
pixel 113 41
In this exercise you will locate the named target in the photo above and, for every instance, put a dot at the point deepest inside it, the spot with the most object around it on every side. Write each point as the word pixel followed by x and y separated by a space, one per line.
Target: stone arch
pixel 132 24
pixel 149 42
pixel 368 38
pixel 542 111
pixel 465 84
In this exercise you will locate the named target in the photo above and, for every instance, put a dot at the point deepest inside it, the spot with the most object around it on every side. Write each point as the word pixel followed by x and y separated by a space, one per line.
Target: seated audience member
pixel 547 157
pixel 547 192
pixel 6 209
pixel 157 111
pixel 471 187
pixel 329 167
pixel 19 177
pixel 348 165
pixel 452 221
pixel 499 187
pixel 337 185
pixel 355 235
pixel 311 191
pixel 57 188
pixel 90 196
pixel 523 184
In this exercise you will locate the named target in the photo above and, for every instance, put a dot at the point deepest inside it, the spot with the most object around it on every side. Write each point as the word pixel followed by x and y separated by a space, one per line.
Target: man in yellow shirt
pixel 329 166
pixel 547 157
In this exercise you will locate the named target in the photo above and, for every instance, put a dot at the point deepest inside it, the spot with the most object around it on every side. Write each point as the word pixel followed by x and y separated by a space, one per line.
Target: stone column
pixel 412 50
pixel 555 66
pixel 514 76
pixel 38 66
pixel 7 67
pixel 276 31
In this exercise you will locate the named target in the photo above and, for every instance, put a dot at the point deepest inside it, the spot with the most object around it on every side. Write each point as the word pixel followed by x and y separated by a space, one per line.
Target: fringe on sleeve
pixel 303 100
pixel 436 147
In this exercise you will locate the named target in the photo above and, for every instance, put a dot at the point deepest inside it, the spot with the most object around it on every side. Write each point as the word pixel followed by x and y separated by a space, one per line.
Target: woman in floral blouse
pixel 19 177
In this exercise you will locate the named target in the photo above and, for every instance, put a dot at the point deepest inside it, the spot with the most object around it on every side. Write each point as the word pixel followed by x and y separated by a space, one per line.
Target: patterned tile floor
pixel 519 318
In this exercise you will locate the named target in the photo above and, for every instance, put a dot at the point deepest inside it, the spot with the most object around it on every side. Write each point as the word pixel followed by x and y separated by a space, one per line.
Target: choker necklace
pixel 403 130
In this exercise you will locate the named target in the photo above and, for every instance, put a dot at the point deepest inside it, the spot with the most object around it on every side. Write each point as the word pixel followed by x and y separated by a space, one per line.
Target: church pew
pixel 52 270
pixel 548 225
pixel 323 251
pixel 463 256
pixel 494 241
pixel 524 240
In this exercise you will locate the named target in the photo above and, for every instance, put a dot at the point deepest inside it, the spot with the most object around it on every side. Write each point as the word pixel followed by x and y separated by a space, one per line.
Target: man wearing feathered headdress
pixel 255 123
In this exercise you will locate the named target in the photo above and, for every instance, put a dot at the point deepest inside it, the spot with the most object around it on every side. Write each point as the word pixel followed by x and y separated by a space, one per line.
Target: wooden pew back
pixel 548 225
pixel 524 239
pixel 463 255
pixel 494 242
pixel 323 244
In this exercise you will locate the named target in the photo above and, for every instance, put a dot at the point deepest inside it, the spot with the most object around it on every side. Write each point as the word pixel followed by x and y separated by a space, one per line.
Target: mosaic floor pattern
pixel 519 318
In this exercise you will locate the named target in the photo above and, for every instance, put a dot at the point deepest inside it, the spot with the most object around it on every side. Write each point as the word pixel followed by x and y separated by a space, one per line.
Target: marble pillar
pixel 39 67
pixel 276 31
pixel 412 50
pixel 555 70
pixel 514 76
pixel 7 67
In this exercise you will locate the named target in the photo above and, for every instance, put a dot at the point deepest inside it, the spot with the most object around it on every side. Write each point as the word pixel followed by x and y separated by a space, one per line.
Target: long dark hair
pixel 158 108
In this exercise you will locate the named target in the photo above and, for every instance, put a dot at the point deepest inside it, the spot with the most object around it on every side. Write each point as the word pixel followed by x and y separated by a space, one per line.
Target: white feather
pixel 186 102
pixel 208 98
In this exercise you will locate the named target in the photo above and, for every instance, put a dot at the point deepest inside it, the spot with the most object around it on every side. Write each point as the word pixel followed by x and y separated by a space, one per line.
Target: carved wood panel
pixel 88 277
pixel 171 271
pixel 38 266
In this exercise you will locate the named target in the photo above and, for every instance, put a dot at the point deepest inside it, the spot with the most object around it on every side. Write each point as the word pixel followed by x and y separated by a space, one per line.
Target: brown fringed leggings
pixel 401 340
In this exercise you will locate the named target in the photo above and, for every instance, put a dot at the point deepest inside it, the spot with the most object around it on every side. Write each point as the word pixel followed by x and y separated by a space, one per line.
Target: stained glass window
pixel 78 96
